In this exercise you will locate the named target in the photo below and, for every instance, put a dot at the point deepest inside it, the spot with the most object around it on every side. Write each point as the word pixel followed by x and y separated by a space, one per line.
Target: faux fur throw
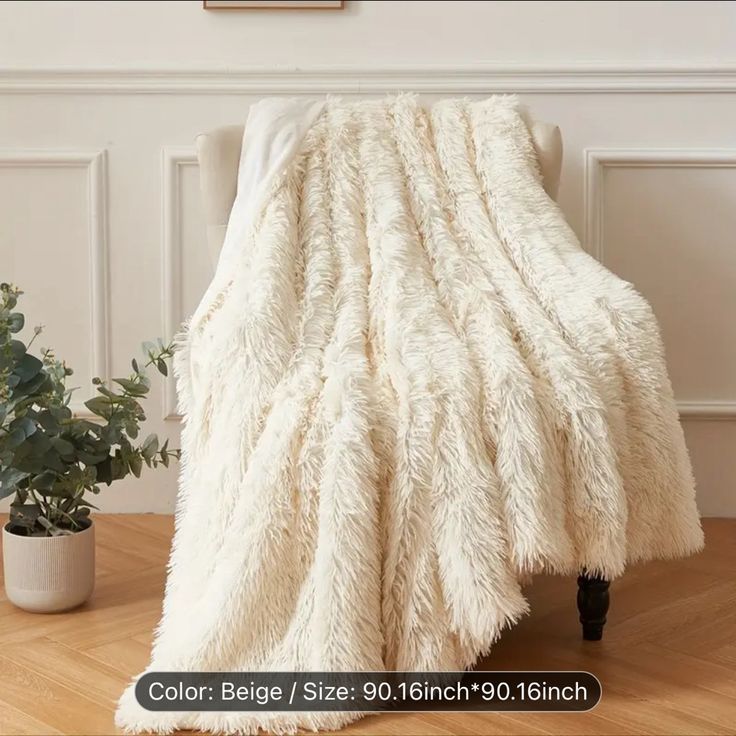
pixel 407 389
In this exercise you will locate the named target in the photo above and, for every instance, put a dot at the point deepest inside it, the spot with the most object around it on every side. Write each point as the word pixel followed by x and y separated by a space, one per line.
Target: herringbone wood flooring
pixel 667 662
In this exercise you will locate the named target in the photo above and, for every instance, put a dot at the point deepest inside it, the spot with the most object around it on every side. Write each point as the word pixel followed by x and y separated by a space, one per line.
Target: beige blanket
pixel 407 388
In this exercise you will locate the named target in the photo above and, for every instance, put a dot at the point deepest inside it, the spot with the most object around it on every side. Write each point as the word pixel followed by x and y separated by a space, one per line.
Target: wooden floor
pixel 667 662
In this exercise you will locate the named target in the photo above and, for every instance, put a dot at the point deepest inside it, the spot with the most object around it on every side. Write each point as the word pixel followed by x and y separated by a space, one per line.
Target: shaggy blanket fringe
pixel 406 390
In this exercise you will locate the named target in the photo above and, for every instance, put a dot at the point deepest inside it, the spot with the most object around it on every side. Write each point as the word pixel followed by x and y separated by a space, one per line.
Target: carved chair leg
pixel 593 600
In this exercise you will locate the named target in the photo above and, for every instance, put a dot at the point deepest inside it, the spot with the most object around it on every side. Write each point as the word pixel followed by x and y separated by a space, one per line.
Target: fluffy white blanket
pixel 406 389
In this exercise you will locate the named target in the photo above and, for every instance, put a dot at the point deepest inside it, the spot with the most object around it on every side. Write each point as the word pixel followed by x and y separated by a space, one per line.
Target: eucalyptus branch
pixel 52 460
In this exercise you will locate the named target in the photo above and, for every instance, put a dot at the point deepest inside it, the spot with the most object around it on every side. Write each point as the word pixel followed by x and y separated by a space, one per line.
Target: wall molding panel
pixel 173 160
pixel 480 78
pixel 596 161
pixel 131 132
pixel 95 165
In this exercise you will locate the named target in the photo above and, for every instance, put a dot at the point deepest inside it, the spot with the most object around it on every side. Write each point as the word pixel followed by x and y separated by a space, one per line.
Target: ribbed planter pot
pixel 49 574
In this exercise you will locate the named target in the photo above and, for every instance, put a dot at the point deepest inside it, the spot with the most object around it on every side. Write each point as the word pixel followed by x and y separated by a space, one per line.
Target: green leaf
pixel 105 391
pixel 100 406
pixel 28 463
pixel 118 469
pixel 39 384
pixel 9 479
pixel 136 465
pixel 61 413
pixel 149 447
pixel 39 442
pixel 80 427
pixel 63 447
pixel 111 434
pixel 127 383
pixel 135 388
pixel 17 349
pixel 14 439
pixel 104 471
pixel 44 481
pixel 80 516
pixel 51 460
pixel 134 363
pixel 24 424
pixel 24 514
pixel 28 367
pixel 89 458
pixel 61 489
pixel 49 422
pixel 16 322
pixel 162 367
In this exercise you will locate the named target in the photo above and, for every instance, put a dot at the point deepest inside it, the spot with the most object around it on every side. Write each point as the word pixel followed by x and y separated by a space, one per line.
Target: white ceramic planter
pixel 49 574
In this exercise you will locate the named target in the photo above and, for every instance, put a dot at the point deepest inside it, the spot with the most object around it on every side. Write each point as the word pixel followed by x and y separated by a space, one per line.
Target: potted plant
pixel 52 461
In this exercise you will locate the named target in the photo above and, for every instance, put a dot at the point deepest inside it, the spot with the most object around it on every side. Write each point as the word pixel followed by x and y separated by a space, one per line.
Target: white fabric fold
pixel 274 131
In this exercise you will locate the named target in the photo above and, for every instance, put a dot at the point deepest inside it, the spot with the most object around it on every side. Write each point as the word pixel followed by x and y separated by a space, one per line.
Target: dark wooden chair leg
pixel 593 601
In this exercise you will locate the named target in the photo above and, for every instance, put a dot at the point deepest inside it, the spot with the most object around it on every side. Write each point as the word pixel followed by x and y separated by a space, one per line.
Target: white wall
pixel 175 34
pixel 100 219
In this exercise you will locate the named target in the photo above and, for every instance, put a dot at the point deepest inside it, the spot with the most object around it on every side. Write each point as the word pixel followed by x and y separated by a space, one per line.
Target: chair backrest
pixel 218 153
